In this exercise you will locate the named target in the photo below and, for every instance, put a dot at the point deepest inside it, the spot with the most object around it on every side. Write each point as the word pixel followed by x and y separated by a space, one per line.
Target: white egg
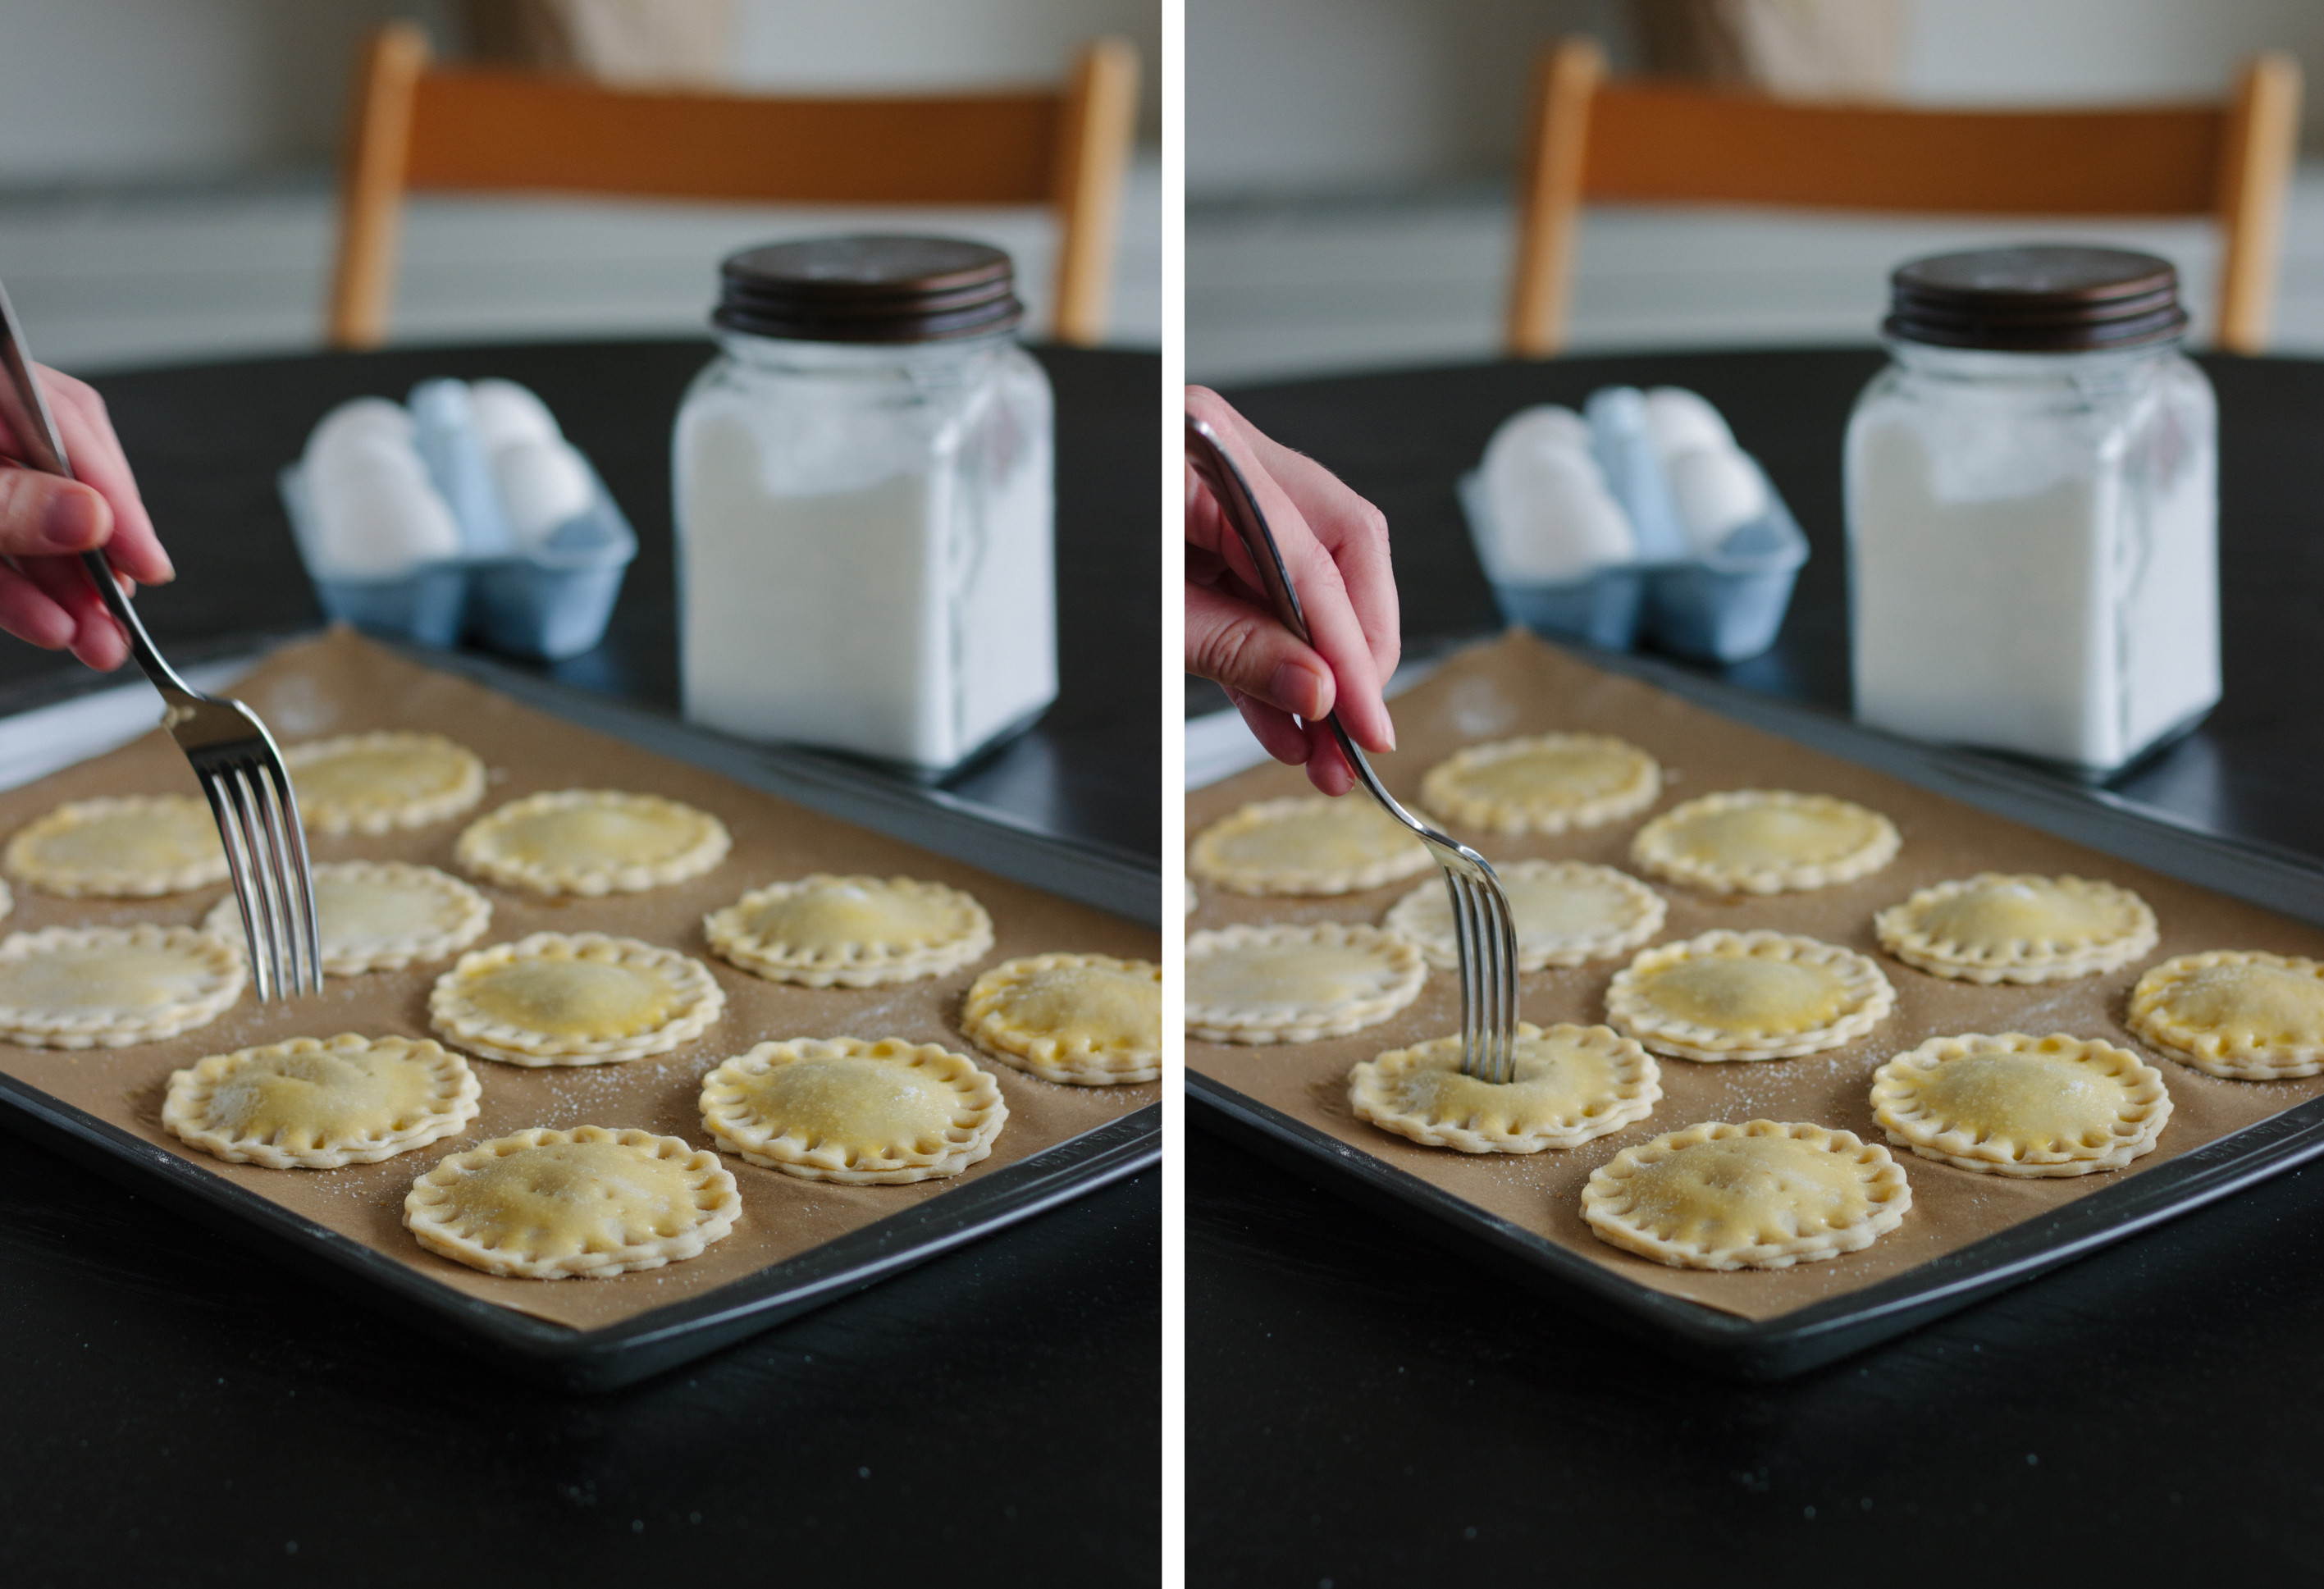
pixel 1553 520
pixel 505 413
pixel 1545 428
pixel 542 485
pixel 1680 422
pixel 376 513
pixel 1716 490
pixel 351 424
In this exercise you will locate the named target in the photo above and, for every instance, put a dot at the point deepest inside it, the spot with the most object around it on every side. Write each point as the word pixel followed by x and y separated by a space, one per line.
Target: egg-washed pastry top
pixel 379 915
pixel 828 932
pixel 90 987
pixel 859 1111
pixel 2017 1105
pixel 1566 912
pixel 125 846
pixel 320 1102
pixel 1762 1195
pixel 1569 1084
pixel 1085 1019
pixel 2238 1013
pixel 1295 985
pixel 1995 928
pixel 591 842
pixel 1308 844
pixel 596 1202
pixel 1748 995
pixel 1759 841
pixel 581 998
pixel 1548 783
pixel 379 782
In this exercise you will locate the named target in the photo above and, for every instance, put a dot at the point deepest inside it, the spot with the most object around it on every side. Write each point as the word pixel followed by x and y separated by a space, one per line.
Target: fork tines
pixel 266 856
pixel 1487 939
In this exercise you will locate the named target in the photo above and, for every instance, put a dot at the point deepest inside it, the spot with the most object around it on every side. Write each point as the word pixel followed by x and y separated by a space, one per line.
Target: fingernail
pixel 70 520
pixel 1296 689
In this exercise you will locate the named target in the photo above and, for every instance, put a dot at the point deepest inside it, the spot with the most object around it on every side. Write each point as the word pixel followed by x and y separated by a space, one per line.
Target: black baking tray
pixel 1793 1343
pixel 1111 880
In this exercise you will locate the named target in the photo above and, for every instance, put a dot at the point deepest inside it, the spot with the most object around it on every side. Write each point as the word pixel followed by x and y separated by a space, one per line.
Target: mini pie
pixel 542 1205
pixel 1546 784
pixel 129 846
pixel 1759 841
pixel 1087 1019
pixel 1293 984
pixel 378 783
pixel 854 932
pixel 2235 1012
pixel 379 916
pixel 1567 912
pixel 1764 1195
pixel 312 1103
pixel 1572 1083
pixel 1993 927
pixel 579 998
pixel 1748 995
pixel 1308 844
pixel 2020 1106
pixel 592 841
pixel 864 1113
pixel 92 987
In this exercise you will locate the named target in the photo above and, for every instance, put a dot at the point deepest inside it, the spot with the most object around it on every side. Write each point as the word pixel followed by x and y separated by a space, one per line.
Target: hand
pixel 1335 545
pixel 46 523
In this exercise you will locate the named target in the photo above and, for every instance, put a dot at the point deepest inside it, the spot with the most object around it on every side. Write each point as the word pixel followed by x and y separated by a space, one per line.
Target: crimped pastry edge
pixel 2202 1050
pixel 323 817
pixel 1629 1011
pixel 1604 1191
pixel 1042 1055
pixel 2022 961
pixel 969 1141
pixel 225 919
pixel 1440 790
pixel 1243 878
pixel 430 1191
pixel 33 1030
pixel 517 1045
pixel 855 965
pixel 110 882
pixel 474 853
pixel 185 1107
pixel 1442 950
pixel 1225 1025
pixel 2149 1097
pixel 1637 1090
pixel 1650 850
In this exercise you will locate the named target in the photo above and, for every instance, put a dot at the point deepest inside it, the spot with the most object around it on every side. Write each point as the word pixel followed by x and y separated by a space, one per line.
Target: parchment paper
pixel 340 685
pixel 1517 685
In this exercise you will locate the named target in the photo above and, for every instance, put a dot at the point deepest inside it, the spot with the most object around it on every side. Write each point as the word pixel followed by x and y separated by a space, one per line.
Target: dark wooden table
pixel 1364 1412
pixel 180 1412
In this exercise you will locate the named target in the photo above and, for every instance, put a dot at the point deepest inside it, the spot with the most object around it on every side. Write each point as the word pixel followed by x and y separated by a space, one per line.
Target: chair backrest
pixel 414 127
pixel 1661 142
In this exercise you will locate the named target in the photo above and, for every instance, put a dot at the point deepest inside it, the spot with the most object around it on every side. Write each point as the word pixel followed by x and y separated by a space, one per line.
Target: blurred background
pixel 168 167
pixel 1348 165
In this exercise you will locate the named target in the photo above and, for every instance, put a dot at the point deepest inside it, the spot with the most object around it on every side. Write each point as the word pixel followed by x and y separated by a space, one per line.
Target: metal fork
pixel 234 757
pixel 1484 929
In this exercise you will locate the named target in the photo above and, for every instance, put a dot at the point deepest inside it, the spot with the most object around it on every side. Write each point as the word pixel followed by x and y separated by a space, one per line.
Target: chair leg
pixel 371 185
pixel 1098 120
pixel 1549 195
pixel 2262 142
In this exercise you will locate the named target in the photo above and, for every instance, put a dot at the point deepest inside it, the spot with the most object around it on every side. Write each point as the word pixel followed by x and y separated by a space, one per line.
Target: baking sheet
pixel 341 684
pixel 1519 685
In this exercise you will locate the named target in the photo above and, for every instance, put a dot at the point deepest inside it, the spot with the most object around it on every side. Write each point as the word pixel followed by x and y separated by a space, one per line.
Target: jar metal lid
pixel 2039 298
pixel 869 289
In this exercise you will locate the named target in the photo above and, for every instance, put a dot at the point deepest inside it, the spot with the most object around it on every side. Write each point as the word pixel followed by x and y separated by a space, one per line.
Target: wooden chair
pixel 1658 143
pixel 416 127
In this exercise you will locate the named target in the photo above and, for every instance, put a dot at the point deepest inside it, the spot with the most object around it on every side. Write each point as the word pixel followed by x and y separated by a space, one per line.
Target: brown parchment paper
pixel 1518 684
pixel 340 685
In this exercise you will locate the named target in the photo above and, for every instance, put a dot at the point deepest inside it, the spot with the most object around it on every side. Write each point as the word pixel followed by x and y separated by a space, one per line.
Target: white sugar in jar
pixel 2032 510
pixel 865 505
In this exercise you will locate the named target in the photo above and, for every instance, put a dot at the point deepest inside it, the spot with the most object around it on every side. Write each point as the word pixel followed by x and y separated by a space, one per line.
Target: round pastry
pixel 1566 912
pixel 1308 844
pixel 379 782
pixel 579 998
pixel 1548 783
pixel 132 846
pixel 1748 995
pixel 2018 1105
pixel 863 1114
pixel 1757 841
pixel 1086 1019
pixel 1992 928
pixel 2236 1014
pixel 856 932
pixel 379 916
pixel 1763 1194
pixel 1294 984
pixel 1569 1084
pixel 108 987
pixel 542 1205
pixel 312 1103
pixel 592 841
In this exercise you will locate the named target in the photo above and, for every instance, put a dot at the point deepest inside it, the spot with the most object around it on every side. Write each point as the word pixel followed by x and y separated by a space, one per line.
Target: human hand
pixel 46 523
pixel 1335 545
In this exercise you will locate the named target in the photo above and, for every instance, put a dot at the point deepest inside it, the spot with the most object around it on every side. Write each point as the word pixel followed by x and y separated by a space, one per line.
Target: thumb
pixel 41 515
pixel 1251 653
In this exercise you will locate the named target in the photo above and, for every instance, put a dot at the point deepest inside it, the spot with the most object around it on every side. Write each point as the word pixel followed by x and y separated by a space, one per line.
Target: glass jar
pixel 2032 510
pixel 865 505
